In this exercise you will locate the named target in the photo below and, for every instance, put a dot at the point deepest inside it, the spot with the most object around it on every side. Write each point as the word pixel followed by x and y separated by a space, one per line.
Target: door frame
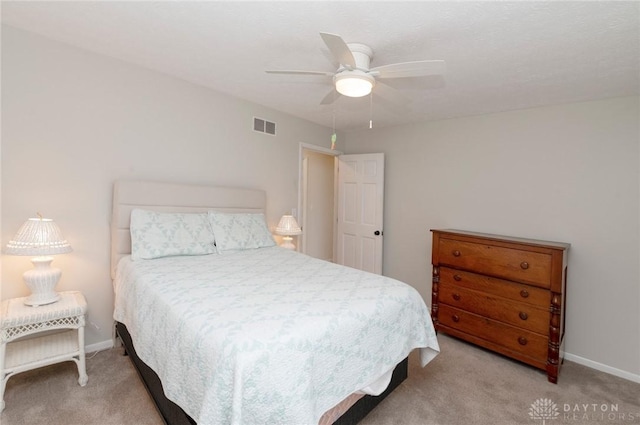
pixel 301 187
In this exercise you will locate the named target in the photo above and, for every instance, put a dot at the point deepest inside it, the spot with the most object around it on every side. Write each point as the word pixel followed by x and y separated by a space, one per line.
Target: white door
pixel 360 211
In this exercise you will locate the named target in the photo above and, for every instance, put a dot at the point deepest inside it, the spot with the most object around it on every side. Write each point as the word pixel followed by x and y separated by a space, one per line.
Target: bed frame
pixel 171 197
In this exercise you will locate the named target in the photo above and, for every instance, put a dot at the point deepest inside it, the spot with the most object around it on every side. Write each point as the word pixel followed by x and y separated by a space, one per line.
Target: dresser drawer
pixel 514 264
pixel 514 313
pixel 519 340
pixel 503 288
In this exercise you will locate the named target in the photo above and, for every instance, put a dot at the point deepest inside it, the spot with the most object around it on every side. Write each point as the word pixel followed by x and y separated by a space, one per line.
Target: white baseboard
pixel 603 367
pixel 99 346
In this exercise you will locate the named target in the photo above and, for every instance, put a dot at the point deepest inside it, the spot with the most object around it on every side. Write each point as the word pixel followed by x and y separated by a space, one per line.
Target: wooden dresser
pixel 502 293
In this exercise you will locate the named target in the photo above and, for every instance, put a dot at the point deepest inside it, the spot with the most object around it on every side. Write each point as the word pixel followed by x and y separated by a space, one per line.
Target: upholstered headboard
pixel 172 197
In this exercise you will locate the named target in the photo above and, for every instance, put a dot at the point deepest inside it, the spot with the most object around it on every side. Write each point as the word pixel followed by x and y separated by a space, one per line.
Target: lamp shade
pixel 37 237
pixel 288 226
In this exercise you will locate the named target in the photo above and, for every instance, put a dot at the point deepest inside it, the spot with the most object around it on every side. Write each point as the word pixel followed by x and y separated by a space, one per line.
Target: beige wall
pixel 567 173
pixel 74 122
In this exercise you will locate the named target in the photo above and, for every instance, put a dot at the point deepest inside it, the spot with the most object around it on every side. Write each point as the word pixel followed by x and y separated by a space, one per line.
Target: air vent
pixel 264 126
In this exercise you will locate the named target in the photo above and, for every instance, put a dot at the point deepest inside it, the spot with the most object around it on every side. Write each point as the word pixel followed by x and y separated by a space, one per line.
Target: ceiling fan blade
pixel 410 69
pixel 294 72
pixel 330 97
pixel 390 94
pixel 339 49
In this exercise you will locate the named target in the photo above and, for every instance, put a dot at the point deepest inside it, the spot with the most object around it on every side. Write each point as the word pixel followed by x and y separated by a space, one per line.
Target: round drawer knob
pixel 524 293
pixel 456 297
pixel 523 315
pixel 457 277
pixel 524 265
pixel 456 253
pixel 522 340
pixel 455 318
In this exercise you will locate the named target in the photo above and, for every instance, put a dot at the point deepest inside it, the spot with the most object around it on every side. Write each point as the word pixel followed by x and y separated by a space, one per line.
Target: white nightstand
pixel 19 354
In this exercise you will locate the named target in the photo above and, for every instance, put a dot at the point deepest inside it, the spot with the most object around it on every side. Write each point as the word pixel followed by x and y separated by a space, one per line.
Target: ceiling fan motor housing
pixel 362 55
pixel 356 82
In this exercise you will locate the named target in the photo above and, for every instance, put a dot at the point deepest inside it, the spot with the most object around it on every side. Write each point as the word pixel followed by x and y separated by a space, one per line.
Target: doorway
pixel 317 201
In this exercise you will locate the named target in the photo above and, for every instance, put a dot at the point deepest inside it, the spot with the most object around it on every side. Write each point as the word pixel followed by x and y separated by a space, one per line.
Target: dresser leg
pixel 435 288
pixel 552 372
pixel 553 357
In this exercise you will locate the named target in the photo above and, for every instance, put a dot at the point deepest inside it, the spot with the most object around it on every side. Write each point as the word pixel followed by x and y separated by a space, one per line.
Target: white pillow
pixel 235 231
pixel 156 234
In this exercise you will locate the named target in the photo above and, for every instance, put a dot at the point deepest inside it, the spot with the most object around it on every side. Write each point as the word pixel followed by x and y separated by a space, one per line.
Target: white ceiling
pixel 500 55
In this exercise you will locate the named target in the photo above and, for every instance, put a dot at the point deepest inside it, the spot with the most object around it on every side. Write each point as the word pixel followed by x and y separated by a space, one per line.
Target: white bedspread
pixel 266 336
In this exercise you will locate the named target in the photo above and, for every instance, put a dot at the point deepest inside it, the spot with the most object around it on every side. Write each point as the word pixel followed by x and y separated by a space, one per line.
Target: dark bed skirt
pixel 174 415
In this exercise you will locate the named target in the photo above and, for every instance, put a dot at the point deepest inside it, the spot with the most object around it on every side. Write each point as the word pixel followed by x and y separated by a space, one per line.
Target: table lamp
pixel 287 227
pixel 41 238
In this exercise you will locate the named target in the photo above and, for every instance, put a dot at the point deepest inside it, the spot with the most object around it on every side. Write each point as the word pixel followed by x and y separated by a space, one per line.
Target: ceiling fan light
pixel 354 85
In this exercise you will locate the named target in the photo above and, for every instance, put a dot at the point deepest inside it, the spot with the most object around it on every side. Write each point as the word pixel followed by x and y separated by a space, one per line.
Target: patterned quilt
pixel 267 336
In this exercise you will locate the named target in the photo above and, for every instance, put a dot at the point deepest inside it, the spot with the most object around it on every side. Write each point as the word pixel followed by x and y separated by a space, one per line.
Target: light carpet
pixel 463 385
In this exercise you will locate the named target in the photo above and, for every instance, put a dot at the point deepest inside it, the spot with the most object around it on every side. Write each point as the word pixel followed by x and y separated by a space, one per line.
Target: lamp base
pixel 42 280
pixel 286 243
pixel 36 300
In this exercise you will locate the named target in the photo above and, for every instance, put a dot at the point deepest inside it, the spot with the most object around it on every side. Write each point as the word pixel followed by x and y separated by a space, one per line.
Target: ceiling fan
pixel 354 77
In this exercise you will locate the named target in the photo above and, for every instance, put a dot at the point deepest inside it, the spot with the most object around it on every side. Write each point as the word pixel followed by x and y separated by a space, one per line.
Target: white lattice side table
pixel 18 320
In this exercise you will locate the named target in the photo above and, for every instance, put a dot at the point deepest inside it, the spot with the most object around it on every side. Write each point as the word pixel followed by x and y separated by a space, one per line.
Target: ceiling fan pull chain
pixel 371 111
pixel 333 136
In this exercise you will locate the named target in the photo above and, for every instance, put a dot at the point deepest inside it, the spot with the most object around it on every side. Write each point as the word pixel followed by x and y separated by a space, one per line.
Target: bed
pixel 247 332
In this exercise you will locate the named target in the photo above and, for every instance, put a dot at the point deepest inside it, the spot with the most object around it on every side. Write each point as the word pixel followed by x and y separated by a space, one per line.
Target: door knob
pixel 377 233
